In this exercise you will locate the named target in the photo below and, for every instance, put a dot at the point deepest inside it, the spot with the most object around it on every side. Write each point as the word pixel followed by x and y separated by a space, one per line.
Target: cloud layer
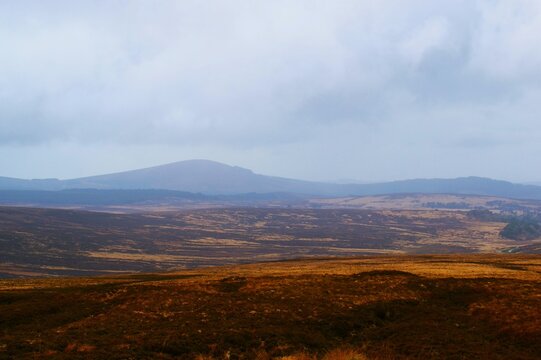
pixel 324 80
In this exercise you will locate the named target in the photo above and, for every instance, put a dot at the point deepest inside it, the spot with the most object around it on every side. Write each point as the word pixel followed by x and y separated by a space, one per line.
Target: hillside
pixel 213 178
pixel 378 308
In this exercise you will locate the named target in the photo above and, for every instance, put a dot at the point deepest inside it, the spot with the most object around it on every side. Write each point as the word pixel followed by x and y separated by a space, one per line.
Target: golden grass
pixel 373 308
pixel 340 353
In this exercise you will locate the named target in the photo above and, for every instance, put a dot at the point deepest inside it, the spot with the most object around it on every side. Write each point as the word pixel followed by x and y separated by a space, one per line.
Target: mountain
pixel 213 178
pixel 199 176
pixel 196 176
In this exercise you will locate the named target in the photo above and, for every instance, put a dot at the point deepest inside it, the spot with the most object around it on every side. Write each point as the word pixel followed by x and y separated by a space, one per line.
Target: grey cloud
pixel 240 76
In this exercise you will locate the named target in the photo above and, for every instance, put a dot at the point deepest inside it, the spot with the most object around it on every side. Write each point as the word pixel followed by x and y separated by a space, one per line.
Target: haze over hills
pixel 198 176
pixel 213 178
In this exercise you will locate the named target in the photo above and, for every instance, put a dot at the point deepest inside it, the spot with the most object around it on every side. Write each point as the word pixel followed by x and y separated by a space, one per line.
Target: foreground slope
pixel 421 307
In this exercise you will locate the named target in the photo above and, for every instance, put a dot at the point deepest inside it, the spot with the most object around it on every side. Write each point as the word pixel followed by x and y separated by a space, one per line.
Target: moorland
pixel 49 242
pixel 144 274
pixel 468 306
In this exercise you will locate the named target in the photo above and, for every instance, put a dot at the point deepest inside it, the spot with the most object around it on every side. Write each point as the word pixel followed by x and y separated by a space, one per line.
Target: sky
pixel 316 90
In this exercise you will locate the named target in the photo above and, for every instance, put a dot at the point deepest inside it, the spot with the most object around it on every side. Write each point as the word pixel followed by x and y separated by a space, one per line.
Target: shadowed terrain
pixel 387 307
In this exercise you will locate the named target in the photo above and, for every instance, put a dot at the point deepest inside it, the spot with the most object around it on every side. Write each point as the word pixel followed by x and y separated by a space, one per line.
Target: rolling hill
pixel 213 178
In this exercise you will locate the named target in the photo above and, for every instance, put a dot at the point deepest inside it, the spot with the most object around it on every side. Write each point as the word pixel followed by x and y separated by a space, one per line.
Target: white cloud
pixel 505 44
pixel 431 35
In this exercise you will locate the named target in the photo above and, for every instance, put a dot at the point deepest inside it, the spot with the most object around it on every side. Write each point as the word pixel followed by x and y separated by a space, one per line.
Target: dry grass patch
pixel 377 308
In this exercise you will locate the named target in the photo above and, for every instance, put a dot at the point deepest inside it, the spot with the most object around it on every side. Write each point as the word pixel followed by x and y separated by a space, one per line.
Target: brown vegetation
pixel 385 307
pixel 42 242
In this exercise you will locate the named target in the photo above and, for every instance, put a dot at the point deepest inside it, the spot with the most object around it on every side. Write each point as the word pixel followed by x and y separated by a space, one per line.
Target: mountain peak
pixel 201 164
pixel 197 175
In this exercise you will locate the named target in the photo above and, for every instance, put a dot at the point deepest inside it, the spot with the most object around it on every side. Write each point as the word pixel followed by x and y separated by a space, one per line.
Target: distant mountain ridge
pixel 463 186
pixel 214 178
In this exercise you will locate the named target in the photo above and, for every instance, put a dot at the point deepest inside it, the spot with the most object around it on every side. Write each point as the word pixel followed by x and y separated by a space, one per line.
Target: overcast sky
pixel 322 90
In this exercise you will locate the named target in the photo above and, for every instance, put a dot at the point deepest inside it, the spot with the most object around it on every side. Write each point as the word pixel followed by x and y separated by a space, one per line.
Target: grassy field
pixel 379 307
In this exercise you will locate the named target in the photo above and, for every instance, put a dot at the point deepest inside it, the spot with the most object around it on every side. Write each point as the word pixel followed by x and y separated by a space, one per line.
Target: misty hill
pixel 199 176
pixel 7 183
pixel 213 178
pixel 463 186
pixel 196 176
